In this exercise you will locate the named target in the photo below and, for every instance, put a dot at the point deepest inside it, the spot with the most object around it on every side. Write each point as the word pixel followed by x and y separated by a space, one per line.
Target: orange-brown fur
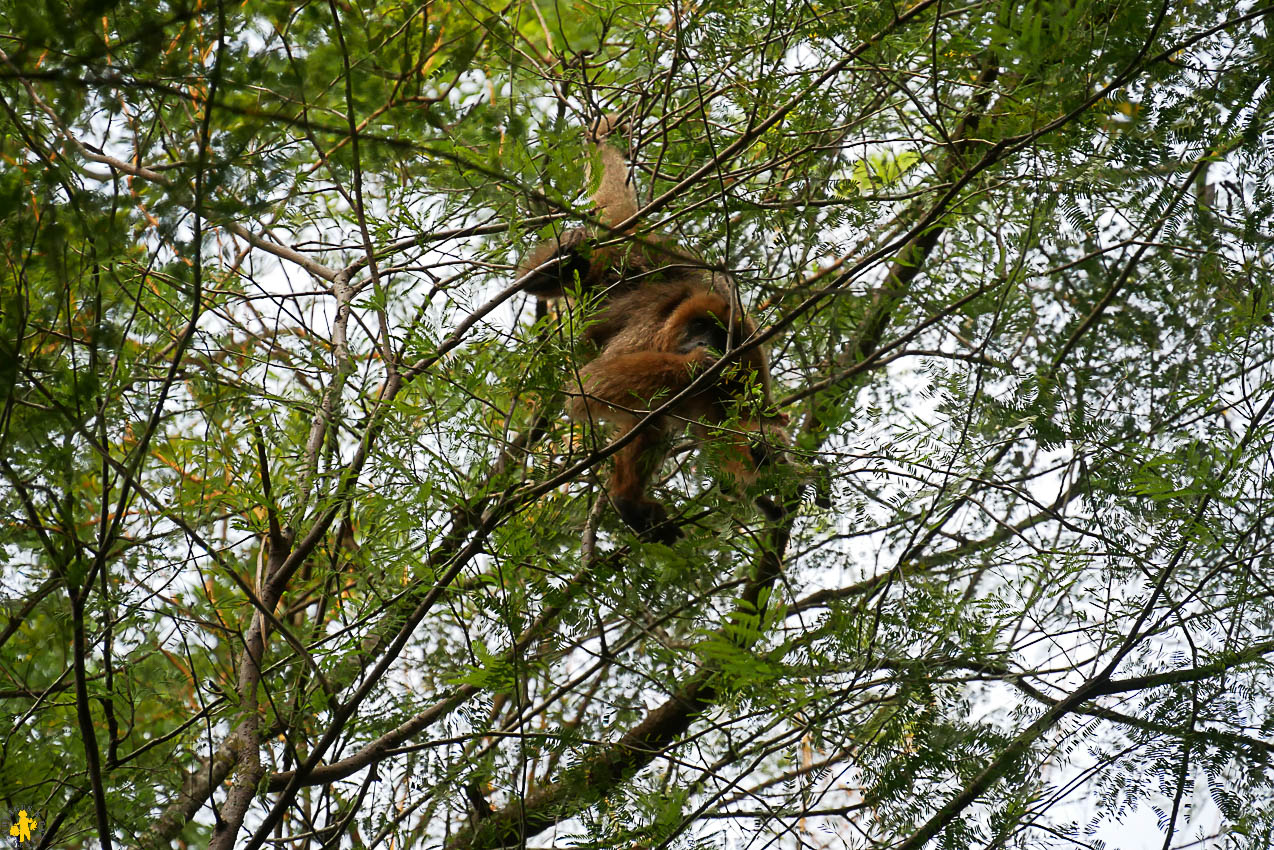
pixel 664 318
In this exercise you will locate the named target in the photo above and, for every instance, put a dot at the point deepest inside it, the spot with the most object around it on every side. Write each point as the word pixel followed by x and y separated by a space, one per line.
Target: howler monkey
pixel 662 318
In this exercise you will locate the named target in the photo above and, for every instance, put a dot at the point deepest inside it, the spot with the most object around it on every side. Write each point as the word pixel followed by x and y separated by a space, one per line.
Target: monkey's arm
pixel 617 386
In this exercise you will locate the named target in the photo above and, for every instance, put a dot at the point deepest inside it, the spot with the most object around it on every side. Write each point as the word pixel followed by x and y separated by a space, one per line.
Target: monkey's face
pixel 704 331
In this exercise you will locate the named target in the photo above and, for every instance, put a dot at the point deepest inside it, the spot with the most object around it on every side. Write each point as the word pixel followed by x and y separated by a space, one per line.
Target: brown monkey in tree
pixel 663 318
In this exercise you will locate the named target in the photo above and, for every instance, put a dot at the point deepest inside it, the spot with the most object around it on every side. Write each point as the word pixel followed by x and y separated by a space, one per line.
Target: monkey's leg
pixel 616 196
pixel 557 262
pixel 552 266
pixel 635 464
pixel 616 388
pixel 741 449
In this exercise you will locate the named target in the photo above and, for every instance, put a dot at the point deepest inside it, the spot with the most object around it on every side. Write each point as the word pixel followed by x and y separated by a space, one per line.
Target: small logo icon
pixel 21 828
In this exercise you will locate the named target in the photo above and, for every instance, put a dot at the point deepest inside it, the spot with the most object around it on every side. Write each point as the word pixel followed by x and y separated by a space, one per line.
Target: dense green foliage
pixel 297 542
